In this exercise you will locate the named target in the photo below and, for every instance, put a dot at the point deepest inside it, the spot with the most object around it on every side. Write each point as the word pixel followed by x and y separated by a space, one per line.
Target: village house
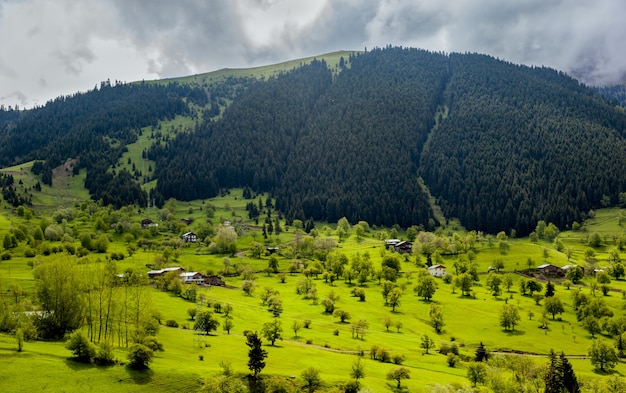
pixel 189 237
pixel 391 243
pixel 152 274
pixel 437 270
pixel 147 223
pixel 191 277
pixel 403 247
pixel 566 268
pixel 550 270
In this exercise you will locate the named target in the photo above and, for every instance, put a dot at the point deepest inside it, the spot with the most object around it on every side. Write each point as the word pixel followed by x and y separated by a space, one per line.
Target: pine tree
pixel 481 353
pixel 568 377
pixel 256 354
pixel 553 378
pixel 549 289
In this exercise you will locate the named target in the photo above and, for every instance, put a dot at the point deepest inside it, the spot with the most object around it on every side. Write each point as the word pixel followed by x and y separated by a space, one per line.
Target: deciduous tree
pixel 426 286
pixel 311 377
pixel 273 330
pixel 553 305
pixel 436 318
pixel 205 322
pixel 509 317
pixel 603 356
pixel 398 374
pixel 476 373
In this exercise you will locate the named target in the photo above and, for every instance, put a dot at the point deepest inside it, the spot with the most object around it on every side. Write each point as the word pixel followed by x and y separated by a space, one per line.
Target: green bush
pixel 81 348
pixel 397 358
pixel 139 356
pixel 452 359
pixel 171 323
pixel 104 355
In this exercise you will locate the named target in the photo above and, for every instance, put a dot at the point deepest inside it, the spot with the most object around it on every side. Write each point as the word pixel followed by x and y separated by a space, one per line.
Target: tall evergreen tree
pixel 256 354
pixel 553 378
pixel 568 377
pixel 481 353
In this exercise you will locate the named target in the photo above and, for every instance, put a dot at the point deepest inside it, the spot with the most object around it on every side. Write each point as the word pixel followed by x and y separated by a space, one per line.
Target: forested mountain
pixel 500 146
pixel 615 92
pixel 93 128
pixel 522 145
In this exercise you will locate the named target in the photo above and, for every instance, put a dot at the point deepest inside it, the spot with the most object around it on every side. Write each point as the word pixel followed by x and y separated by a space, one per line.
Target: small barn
pixel 550 270
pixel 215 281
pixel 437 270
pixel 147 223
pixel 403 247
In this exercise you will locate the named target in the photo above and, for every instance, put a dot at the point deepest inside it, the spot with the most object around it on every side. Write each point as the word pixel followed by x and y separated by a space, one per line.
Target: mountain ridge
pixel 494 142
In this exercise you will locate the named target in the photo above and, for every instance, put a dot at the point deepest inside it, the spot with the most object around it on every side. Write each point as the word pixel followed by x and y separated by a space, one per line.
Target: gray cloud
pixel 74 45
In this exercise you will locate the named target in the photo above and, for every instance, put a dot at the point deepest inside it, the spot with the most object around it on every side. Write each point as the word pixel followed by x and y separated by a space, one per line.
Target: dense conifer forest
pixel 500 146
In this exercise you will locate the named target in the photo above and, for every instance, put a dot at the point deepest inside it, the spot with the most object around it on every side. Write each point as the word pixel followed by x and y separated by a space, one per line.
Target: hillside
pixel 512 144
pixel 498 145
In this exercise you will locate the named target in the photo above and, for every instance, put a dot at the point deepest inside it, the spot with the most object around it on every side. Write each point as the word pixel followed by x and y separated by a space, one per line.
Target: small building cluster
pixel 397 245
pixel 188 277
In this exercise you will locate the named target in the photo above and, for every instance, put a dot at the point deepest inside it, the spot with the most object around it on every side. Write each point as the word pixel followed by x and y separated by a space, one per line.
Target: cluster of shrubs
pixel 85 351
pixel 358 292
pixel 117 256
pixel 383 355
pixel 451 350
pixel 140 353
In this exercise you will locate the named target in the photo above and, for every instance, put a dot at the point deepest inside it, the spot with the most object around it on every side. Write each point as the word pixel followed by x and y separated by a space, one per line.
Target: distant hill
pixel 500 146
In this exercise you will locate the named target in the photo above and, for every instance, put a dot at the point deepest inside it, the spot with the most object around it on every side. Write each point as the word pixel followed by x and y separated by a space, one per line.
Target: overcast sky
pixel 51 48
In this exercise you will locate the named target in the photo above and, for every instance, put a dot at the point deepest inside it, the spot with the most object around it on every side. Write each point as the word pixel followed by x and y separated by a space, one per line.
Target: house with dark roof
pixel 189 237
pixel 548 269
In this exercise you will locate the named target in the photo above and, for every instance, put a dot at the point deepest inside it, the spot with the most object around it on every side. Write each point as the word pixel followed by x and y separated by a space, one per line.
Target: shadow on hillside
pixel 514 332
pixel 78 365
pixel 140 377
pixel 597 371
pixel 394 387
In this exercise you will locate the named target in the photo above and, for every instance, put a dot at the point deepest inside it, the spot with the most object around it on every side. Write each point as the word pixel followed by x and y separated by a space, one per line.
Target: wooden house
pixel 550 270
pixel 403 247
pixel 190 237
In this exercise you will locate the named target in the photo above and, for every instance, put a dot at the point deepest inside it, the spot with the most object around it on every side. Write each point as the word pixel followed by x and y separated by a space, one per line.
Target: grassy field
pixel 332 59
pixel 328 344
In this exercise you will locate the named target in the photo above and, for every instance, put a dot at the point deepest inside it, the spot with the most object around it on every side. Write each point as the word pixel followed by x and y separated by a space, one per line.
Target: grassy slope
pixel 332 59
pixel 291 356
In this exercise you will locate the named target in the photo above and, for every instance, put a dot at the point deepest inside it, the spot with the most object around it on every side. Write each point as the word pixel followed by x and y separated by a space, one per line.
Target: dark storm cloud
pixel 181 36
pixel 74 45
pixel 572 35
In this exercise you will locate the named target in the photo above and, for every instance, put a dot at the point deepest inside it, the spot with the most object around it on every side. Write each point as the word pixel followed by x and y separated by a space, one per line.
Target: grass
pixel 320 346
